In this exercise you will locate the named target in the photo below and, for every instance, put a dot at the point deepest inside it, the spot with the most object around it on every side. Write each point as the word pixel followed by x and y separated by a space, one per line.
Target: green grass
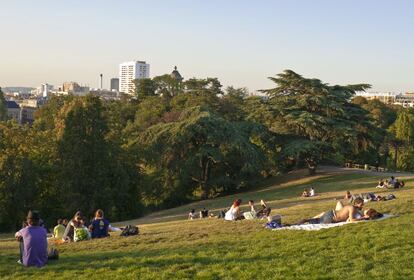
pixel 170 247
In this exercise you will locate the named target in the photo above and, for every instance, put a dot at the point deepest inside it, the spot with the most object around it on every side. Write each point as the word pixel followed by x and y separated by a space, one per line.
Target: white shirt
pixel 312 192
pixel 231 215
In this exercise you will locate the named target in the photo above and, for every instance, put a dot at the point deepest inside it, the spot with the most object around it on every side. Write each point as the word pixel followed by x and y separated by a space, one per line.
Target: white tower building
pixel 129 71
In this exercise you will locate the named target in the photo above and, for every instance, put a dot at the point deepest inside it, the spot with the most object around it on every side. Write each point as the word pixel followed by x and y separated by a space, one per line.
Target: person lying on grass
pixel 233 214
pixel 347 214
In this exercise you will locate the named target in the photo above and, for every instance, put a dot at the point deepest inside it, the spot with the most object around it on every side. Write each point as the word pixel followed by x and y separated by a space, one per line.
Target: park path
pixel 332 169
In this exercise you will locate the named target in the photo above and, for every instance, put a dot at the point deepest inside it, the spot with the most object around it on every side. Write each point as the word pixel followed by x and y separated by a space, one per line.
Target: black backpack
pixel 130 230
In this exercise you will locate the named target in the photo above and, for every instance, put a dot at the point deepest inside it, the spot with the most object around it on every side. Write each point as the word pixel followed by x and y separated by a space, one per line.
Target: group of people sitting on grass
pixel 33 235
pixel 205 213
pixel 308 193
pixel 393 183
pixel 234 213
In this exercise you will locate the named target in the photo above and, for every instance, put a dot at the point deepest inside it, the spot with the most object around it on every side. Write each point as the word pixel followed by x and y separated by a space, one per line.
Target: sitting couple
pixel 234 213
pixel 348 213
pixel 77 229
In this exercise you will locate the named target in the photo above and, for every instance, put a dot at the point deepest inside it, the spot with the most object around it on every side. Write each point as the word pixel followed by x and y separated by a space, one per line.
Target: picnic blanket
pixel 324 226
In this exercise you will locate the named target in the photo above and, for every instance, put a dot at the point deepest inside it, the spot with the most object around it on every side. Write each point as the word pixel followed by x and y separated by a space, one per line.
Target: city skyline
pixel 240 43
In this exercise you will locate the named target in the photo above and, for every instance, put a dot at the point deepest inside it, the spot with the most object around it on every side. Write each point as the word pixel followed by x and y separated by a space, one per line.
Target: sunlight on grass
pixel 216 249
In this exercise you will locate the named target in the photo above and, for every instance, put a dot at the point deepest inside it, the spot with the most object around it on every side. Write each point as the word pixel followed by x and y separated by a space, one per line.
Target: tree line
pixel 173 142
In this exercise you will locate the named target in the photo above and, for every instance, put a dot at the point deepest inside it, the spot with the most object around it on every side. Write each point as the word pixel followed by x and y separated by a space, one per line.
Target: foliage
pixel 213 153
pixel 319 113
pixel 180 141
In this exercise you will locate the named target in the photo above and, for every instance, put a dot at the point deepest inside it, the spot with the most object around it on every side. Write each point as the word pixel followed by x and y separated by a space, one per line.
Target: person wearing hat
pixel 34 239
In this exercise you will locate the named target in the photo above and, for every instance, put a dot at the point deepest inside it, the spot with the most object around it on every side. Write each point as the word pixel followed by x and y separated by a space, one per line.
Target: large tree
pixel 84 154
pixel 315 113
pixel 197 152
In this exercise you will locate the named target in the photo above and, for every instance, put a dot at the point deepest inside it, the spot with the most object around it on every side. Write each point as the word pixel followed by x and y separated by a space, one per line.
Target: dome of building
pixel 176 75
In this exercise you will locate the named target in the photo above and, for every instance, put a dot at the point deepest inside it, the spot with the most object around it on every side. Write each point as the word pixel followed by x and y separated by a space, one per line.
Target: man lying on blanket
pixel 348 213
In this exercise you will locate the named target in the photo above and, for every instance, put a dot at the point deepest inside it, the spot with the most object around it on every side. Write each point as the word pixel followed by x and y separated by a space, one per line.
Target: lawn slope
pixel 170 247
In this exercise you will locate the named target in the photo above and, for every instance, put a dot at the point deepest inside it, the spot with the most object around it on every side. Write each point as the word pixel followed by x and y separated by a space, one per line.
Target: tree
pixel 167 86
pixel 3 107
pixel 144 87
pixel 198 151
pixel 84 154
pixel 315 111
pixel 401 140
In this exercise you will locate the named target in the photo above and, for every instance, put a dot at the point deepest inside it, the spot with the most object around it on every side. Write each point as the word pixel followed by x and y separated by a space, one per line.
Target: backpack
pixel 80 234
pixel 272 225
pixel 130 230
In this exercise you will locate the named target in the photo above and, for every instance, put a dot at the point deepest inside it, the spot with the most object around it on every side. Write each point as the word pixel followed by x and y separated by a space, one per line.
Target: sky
pixel 240 42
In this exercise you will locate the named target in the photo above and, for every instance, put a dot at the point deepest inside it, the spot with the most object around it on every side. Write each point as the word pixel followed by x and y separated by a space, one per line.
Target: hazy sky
pixel 240 42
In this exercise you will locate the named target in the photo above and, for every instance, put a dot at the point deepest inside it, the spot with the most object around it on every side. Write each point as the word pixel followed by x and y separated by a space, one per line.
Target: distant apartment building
pixel 43 90
pixel 405 100
pixel 129 71
pixel 74 88
pixel 115 84
pixel 13 111
pixel 391 98
pixel 385 97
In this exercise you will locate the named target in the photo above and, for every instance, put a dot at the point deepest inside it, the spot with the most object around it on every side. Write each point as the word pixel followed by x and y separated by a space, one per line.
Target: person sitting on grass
pixel 81 232
pixel 233 214
pixel 305 193
pixel 59 229
pixel 398 184
pixel 33 238
pixel 99 226
pixel 392 182
pixel 348 195
pixel 65 222
pixel 250 215
pixel 312 192
pixel 347 213
pixel 68 236
pixel 204 213
pixel 265 210
pixel 381 185
pixel 192 215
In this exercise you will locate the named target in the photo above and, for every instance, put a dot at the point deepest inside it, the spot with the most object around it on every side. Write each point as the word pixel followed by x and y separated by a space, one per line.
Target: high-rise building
pixel 114 84
pixel 43 90
pixel 129 71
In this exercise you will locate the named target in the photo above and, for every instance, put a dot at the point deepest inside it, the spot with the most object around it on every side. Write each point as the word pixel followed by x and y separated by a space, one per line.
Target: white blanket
pixel 323 226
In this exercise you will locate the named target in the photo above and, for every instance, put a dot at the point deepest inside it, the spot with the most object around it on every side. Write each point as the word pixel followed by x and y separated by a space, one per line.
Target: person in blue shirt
pixel 99 226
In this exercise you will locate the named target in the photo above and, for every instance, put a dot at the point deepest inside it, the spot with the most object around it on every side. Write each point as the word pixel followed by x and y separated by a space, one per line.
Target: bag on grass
pixel 272 225
pixel 53 254
pixel 130 230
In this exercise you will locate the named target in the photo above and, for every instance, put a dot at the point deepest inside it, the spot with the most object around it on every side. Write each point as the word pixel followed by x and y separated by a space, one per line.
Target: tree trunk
pixel 205 189
pixel 311 167
pixel 395 158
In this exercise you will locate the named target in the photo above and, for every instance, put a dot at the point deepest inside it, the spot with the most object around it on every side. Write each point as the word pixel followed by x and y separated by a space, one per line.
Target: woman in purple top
pixel 34 239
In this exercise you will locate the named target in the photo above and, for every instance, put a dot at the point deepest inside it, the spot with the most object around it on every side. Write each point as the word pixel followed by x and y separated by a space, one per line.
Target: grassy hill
pixel 170 247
